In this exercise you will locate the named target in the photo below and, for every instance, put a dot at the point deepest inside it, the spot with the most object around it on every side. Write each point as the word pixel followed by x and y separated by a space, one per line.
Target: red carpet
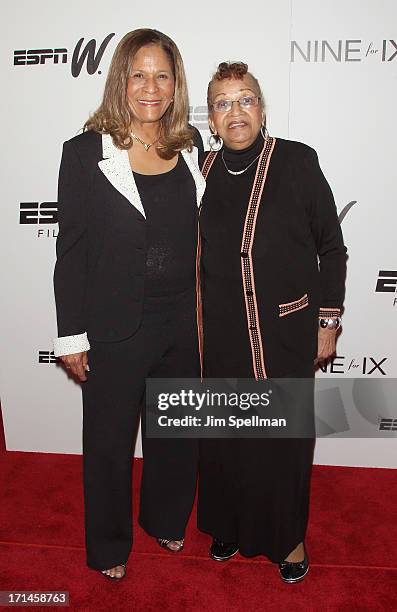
pixel 351 543
pixel 2 438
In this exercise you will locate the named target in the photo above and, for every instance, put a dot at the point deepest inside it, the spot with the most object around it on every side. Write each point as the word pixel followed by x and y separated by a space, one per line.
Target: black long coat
pixel 268 271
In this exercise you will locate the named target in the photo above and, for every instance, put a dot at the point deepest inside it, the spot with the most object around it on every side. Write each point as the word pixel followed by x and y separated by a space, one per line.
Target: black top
pixel 170 206
pixel 222 220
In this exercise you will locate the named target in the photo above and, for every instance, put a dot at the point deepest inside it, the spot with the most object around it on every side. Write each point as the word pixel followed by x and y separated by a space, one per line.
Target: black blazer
pixel 101 245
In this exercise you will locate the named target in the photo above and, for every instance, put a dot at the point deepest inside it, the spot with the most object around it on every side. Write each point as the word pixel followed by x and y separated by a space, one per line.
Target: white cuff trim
pixel 67 345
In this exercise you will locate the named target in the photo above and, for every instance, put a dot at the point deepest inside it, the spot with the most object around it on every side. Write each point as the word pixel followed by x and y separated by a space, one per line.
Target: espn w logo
pixel 388 425
pixel 88 55
pixel 39 56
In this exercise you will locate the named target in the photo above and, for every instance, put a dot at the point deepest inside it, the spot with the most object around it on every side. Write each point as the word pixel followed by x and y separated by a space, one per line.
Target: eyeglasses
pixel 224 106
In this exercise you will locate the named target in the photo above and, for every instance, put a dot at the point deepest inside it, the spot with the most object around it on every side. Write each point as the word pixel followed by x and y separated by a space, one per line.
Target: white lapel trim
pixel 117 169
pixel 191 160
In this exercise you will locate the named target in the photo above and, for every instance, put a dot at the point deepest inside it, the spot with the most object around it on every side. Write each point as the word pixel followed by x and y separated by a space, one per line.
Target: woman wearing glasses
pixel 269 310
pixel 129 190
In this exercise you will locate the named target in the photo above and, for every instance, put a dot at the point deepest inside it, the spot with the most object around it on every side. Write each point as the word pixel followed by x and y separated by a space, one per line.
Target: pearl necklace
pixel 145 144
pixel 234 173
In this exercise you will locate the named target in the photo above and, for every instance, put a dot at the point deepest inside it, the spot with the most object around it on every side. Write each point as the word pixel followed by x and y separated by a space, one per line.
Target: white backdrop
pixel 328 72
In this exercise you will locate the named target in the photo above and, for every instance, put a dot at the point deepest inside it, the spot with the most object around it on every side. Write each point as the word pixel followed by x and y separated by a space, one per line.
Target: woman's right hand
pixel 77 363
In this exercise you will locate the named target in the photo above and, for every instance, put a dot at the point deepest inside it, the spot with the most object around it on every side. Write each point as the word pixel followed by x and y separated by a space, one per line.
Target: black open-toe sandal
pixel 166 544
pixel 115 577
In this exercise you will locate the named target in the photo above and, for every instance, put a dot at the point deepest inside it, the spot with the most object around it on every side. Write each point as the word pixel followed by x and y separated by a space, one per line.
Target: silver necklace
pixel 145 144
pixel 239 171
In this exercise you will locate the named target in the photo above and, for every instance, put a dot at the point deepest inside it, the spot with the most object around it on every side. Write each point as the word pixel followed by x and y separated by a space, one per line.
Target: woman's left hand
pixel 326 344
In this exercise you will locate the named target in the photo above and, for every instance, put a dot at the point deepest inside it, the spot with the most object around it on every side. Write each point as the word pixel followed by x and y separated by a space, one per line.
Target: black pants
pixel 164 346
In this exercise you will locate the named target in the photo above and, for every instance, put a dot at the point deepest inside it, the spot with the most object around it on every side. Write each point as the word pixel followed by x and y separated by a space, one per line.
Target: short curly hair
pixel 234 70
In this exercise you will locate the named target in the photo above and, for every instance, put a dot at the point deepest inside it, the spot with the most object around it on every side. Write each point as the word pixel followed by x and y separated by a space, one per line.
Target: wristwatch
pixel 329 323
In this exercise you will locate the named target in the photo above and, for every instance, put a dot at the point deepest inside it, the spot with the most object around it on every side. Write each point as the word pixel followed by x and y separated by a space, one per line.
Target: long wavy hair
pixel 114 115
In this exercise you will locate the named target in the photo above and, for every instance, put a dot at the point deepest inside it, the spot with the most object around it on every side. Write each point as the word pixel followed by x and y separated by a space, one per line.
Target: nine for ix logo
pixel 88 54
pixel 363 365
pixel 349 50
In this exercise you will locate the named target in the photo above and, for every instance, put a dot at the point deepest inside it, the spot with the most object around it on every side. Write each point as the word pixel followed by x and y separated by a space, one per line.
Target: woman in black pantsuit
pixel 129 190
pixel 273 270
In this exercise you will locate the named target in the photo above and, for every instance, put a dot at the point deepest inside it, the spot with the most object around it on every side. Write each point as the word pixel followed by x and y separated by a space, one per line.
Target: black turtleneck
pixel 239 159
pixel 224 207
pixel 222 221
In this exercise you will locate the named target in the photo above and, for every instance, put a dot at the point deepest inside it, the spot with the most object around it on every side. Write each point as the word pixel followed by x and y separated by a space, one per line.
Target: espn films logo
pixel 88 54
pixel 46 213
pixel 387 283
pixel 48 357
pixel 40 213
pixel 388 425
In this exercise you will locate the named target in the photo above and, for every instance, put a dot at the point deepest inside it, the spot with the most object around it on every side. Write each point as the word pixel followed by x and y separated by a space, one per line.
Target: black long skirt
pixel 254 492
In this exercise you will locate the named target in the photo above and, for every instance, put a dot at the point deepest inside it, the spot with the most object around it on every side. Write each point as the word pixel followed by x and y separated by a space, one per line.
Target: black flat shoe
pixel 222 551
pixel 294 572
pixel 115 577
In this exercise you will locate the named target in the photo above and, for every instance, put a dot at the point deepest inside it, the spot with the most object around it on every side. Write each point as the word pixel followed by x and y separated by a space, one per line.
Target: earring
pixel 215 142
pixel 264 131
